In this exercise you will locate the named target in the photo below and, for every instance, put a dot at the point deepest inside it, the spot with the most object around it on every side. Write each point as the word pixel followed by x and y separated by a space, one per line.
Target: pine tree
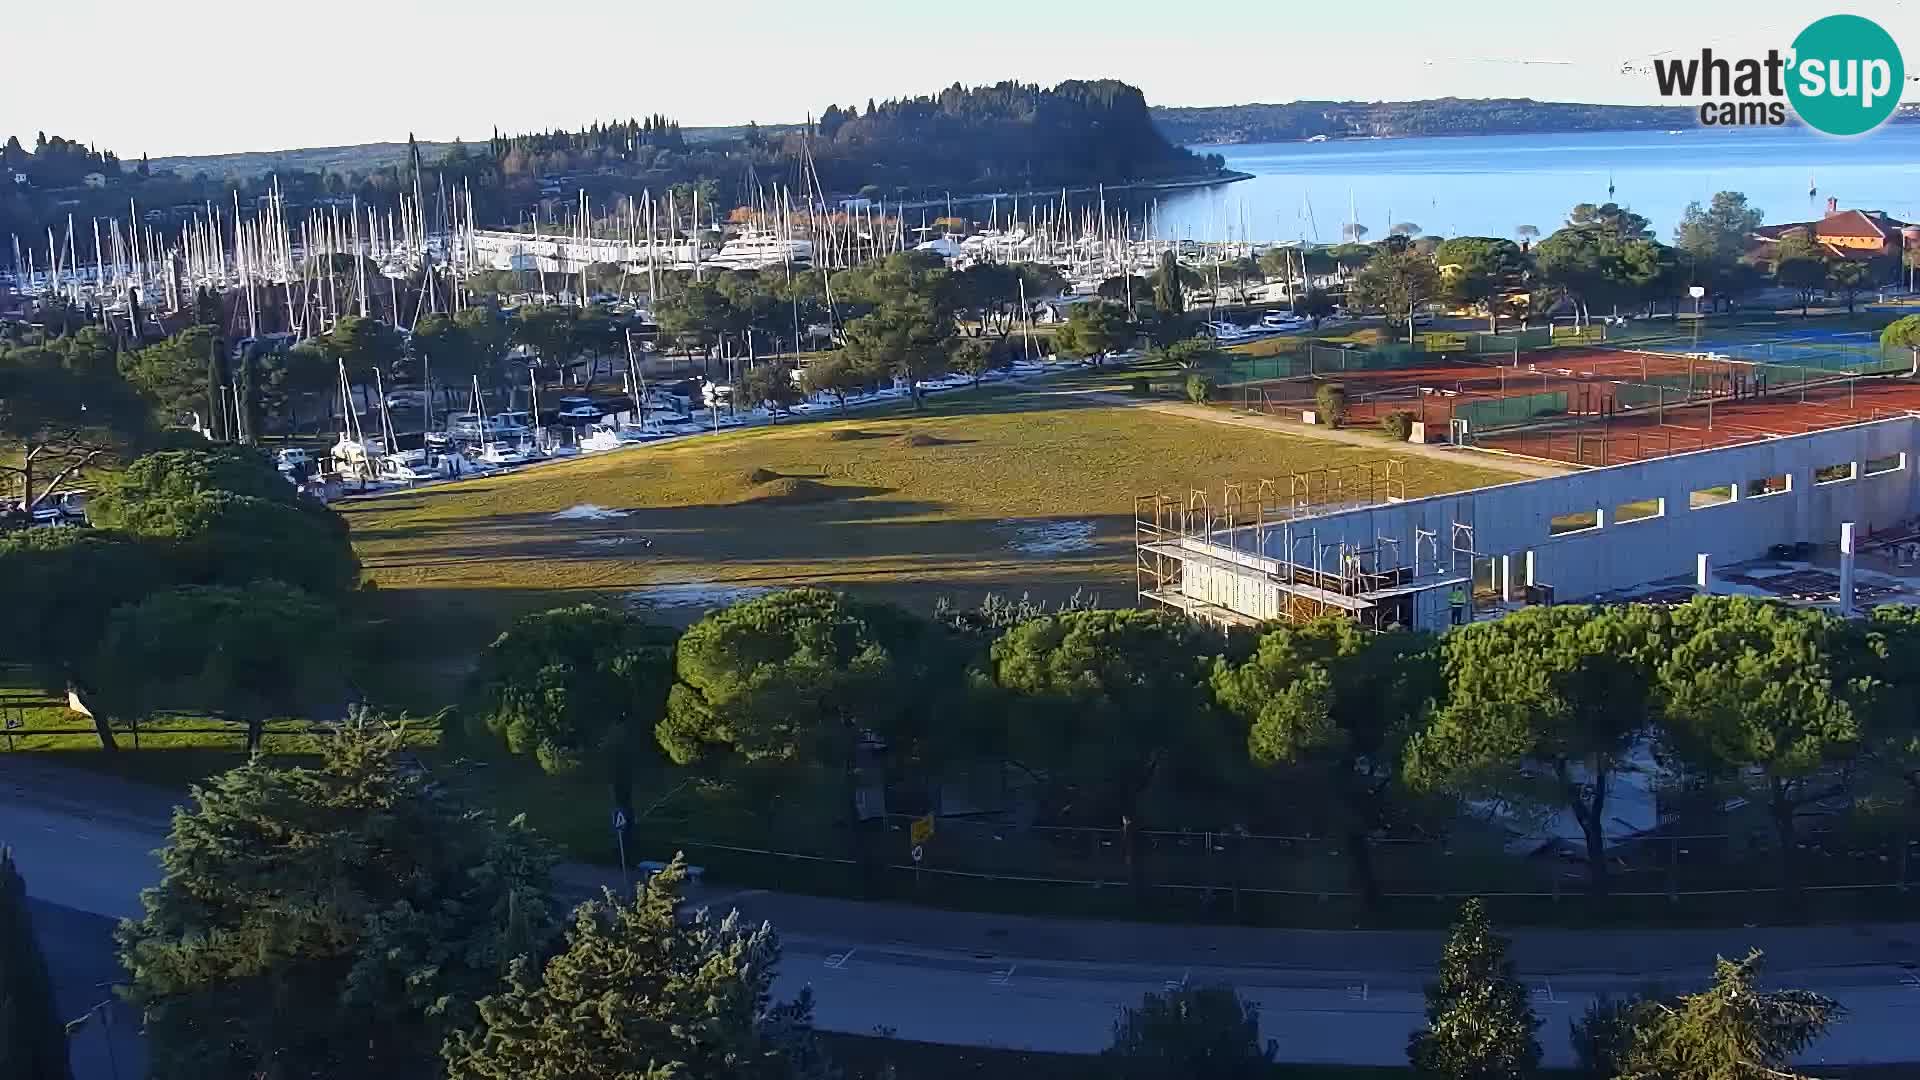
pixel 33 1042
pixel 1730 1031
pixel 1479 1023
pixel 642 993
pixel 328 921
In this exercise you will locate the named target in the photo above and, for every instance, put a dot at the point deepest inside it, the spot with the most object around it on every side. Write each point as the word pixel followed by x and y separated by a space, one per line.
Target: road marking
pixel 1002 977
pixel 839 960
pixel 1177 986
pixel 1547 995
pixel 1357 992
pixel 1910 980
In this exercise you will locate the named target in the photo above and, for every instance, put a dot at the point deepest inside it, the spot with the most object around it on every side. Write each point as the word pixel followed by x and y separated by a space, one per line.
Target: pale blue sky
pixel 234 75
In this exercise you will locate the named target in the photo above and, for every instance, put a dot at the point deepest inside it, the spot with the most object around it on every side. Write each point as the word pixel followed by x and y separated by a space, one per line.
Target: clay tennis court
pixel 1433 391
pixel 1645 432
pixel 1600 405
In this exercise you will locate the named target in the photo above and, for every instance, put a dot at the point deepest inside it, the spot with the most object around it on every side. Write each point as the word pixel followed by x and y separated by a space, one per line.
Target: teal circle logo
pixel 1846 75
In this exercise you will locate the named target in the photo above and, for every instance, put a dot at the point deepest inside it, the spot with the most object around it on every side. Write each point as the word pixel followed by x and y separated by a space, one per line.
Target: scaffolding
pixel 1239 535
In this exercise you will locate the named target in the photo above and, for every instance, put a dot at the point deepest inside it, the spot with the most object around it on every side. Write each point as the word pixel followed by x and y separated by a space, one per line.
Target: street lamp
pixel 1696 291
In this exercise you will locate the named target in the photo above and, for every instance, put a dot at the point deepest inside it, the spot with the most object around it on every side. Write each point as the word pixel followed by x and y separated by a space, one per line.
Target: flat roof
pixel 1423 585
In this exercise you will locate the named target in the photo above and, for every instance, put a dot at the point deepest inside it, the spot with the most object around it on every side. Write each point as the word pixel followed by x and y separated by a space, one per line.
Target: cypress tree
pixel 33 1042
pixel 246 420
pixel 1479 1023
pixel 216 395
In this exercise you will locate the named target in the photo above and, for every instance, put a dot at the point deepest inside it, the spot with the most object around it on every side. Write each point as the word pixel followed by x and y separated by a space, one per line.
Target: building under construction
pixel 1350 541
pixel 1255 552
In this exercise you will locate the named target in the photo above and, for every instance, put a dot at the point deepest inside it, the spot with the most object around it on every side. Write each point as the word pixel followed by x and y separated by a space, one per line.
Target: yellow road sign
pixel 921 830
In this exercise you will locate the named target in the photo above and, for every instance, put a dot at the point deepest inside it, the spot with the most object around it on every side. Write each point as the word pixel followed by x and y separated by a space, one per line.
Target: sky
pixel 221 76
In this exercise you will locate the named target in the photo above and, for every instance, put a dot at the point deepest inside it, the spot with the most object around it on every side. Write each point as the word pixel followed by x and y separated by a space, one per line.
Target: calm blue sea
pixel 1489 184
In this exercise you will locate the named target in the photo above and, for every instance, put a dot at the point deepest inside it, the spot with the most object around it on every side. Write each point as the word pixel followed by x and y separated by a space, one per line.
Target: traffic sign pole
pixel 620 838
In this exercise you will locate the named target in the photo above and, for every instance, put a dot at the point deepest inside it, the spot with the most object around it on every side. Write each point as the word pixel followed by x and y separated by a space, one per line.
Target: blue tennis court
pixel 1830 349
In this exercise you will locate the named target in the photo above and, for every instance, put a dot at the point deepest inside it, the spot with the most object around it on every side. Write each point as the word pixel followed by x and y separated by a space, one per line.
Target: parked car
pixel 406 399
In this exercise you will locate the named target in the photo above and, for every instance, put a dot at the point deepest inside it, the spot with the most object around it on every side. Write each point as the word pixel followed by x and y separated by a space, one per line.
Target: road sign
pixel 619 820
pixel 922 830
pixel 918 853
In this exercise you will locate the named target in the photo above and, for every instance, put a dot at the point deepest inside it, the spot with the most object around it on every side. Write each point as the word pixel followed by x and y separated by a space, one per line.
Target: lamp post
pixel 1696 291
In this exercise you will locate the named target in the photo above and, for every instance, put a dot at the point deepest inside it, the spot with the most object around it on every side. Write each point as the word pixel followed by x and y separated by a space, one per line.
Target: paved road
pixel 955 977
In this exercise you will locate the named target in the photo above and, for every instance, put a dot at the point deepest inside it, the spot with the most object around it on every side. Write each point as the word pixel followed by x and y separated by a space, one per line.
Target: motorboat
pixel 602 437
pixel 509 425
pixel 1279 320
pixel 408 467
pixel 1227 333
pixel 466 425
pixel 501 455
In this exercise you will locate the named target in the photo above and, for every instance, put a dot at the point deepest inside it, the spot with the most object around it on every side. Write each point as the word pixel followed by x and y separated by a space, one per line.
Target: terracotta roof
pixel 1858 223
pixel 1874 224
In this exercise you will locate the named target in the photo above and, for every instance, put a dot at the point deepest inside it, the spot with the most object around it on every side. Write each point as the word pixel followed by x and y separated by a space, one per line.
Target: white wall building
pixel 1401 562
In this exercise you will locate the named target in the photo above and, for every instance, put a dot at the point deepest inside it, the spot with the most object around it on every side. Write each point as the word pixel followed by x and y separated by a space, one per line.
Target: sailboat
pixel 498 455
pixel 1812 189
pixel 353 453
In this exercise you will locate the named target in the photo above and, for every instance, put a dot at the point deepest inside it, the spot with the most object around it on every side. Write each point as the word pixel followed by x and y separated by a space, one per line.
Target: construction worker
pixel 1458 599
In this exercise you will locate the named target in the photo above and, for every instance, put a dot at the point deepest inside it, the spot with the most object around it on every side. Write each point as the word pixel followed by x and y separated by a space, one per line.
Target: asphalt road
pixel 84 843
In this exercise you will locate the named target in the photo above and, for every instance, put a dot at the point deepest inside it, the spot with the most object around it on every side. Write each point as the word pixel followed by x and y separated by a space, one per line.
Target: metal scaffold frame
pixel 1252 520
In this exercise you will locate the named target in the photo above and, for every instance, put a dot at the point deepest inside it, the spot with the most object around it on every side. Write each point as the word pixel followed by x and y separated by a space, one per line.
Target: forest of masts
pixel 328 263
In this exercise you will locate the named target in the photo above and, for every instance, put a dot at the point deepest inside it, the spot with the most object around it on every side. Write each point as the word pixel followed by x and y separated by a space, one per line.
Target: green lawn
pixel 1026 490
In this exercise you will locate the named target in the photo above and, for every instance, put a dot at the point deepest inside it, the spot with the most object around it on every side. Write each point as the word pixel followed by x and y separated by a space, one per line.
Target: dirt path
pixel 1519 466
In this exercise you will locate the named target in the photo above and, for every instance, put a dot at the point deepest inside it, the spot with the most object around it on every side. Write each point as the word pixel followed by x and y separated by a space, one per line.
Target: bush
pixel 1141 388
pixel 1200 389
pixel 1398 424
pixel 1331 401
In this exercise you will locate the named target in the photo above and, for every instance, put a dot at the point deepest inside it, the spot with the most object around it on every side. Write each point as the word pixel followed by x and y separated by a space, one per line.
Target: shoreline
pixel 1897 120
pixel 1223 177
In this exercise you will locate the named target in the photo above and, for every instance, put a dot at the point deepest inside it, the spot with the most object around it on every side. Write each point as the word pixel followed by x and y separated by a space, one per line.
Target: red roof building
pixel 1846 234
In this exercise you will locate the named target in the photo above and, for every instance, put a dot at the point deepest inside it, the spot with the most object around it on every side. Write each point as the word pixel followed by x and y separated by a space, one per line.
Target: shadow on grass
pixel 841 534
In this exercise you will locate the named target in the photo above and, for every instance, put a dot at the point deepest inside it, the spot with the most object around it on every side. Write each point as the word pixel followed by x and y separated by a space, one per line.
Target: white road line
pixel 1001 978
pixel 839 960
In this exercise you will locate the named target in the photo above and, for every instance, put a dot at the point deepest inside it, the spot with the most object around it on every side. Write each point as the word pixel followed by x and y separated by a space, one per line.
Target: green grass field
pixel 1018 491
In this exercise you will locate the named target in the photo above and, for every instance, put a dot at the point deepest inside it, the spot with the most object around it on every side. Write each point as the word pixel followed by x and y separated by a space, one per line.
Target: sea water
pixel 1490 185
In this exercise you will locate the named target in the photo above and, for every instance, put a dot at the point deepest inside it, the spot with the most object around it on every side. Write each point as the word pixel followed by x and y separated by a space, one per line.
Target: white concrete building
pixel 1391 561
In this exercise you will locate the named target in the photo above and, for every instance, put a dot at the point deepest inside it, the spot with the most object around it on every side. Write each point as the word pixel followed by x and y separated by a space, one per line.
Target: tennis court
pixel 1832 348
pixel 1592 402
pixel 1643 432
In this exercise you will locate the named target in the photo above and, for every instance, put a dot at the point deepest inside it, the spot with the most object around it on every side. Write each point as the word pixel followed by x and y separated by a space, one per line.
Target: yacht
pixel 501 455
pixel 408 467
pixel 509 425
pixel 466 425
pixel 1278 320
pixel 756 249
pixel 602 437
pixel 1227 333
